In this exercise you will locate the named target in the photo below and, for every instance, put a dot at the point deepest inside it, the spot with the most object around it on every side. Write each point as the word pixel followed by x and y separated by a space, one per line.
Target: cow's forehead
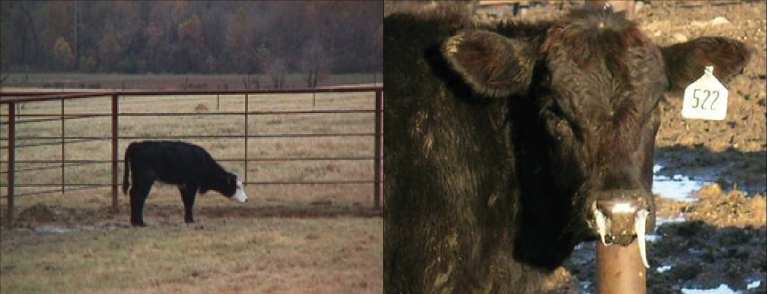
pixel 589 37
pixel 606 86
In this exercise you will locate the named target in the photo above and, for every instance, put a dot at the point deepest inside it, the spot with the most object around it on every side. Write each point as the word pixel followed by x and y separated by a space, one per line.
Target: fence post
pixel 246 138
pixel 115 130
pixel 378 194
pixel 11 157
pixel 63 174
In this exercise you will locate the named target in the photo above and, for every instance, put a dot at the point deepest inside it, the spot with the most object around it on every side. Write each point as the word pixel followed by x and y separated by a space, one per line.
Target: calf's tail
pixel 126 171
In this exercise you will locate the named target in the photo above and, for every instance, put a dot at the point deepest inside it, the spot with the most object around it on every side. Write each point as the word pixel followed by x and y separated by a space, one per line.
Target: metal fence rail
pixel 14 118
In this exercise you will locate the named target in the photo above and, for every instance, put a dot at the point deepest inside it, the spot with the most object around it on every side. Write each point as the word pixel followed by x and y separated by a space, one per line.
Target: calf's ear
pixel 491 64
pixel 686 61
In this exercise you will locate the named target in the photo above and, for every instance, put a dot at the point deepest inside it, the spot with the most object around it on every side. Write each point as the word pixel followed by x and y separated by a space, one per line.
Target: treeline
pixel 314 38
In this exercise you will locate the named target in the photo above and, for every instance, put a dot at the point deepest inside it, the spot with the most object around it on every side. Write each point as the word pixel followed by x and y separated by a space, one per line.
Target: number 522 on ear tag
pixel 706 98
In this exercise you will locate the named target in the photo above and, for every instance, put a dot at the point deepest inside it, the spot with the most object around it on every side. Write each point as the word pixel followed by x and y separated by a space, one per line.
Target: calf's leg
pixel 138 194
pixel 188 194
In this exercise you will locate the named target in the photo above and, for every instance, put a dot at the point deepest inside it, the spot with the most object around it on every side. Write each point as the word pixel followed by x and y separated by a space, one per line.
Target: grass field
pixel 219 255
pixel 286 239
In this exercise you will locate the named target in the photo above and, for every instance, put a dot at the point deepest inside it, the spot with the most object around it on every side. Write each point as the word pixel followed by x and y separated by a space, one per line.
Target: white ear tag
pixel 705 98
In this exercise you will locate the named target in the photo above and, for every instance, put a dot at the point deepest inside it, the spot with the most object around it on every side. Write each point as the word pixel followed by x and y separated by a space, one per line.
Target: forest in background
pixel 275 38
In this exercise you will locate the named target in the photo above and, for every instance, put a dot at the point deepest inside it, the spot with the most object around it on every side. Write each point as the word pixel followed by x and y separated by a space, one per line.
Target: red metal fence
pixel 12 119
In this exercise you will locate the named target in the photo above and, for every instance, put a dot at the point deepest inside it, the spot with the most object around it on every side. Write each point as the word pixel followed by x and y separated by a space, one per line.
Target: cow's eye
pixel 552 107
pixel 554 112
pixel 561 126
pixel 556 119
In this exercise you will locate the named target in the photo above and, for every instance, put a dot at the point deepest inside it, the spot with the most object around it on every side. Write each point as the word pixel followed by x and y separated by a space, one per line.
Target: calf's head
pixel 232 188
pixel 591 86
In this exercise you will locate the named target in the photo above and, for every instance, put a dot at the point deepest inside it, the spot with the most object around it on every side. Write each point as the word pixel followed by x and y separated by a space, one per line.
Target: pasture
pixel 315 238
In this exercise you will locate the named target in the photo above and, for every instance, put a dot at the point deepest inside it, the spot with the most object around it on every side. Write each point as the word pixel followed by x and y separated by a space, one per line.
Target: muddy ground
pixel 722 240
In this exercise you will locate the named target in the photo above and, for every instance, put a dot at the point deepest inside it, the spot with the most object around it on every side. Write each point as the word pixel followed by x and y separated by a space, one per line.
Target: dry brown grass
pixel 75 245
pixel 262 255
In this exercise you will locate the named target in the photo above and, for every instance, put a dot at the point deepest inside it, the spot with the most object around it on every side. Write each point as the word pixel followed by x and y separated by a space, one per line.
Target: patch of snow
pixel 663 269
pixel 656 168
pixel 754 285
pixel 677 187
pixel 678 219
pixel 723 289
pixel 652 238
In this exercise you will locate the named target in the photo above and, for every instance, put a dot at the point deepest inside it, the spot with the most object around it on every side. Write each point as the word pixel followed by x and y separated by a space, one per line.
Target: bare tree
pixel 239 40
pixel 62 52
pixel 31 26
pixel 272 65
pixel 315 63
pixel 277 71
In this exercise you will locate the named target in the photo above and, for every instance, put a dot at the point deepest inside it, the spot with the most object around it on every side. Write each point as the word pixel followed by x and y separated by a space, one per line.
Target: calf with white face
pixel 188 166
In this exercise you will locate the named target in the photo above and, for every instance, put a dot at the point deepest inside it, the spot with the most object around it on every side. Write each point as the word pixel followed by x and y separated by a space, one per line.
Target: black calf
pixel 188 166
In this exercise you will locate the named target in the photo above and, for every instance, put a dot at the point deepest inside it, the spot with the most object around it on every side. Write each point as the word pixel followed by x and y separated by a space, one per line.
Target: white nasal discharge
pixel 601 223
pixel 639 227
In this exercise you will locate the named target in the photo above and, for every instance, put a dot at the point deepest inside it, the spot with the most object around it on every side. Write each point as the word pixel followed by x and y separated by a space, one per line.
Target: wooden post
pixel 620 270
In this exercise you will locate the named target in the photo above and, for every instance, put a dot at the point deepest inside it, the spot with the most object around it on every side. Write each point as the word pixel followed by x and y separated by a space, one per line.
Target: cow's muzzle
pixel 239 194
pixel 622 215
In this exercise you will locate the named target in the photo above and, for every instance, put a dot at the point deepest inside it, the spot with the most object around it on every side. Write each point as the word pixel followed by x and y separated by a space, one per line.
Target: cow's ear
pixel 491 64
pixel 686 61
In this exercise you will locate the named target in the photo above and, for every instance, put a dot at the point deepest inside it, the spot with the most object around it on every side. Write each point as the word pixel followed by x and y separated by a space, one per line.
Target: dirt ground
pixel 723 239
